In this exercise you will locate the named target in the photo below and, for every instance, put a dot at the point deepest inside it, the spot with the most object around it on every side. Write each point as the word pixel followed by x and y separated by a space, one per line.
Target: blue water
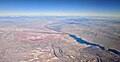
pixel 88 43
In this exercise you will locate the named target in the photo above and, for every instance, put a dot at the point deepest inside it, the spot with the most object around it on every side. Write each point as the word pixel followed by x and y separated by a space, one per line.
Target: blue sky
pixel 60 7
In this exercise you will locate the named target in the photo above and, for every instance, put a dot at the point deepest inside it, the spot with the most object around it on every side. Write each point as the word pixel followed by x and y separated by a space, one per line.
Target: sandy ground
pixel 29 44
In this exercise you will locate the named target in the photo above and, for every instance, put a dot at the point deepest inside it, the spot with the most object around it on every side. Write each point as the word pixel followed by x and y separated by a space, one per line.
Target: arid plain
pixel 47 39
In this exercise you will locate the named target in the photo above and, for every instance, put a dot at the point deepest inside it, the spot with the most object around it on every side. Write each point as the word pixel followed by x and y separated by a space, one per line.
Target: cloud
pixel 58 14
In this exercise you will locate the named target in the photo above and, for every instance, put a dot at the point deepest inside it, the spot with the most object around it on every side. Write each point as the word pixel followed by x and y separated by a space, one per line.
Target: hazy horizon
pixel 60 8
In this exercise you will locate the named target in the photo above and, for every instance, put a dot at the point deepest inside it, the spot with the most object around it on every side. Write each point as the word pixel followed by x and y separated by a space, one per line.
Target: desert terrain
pixel 59 39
